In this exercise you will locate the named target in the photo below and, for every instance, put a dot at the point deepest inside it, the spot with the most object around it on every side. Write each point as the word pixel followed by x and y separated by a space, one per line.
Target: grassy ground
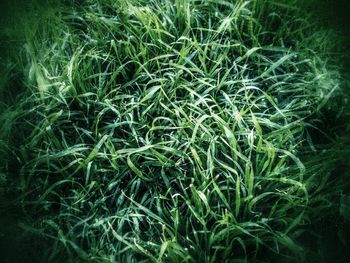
pixel 174 131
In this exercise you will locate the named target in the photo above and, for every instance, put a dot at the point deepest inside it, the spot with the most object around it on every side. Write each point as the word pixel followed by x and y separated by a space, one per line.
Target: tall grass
pixel 170 131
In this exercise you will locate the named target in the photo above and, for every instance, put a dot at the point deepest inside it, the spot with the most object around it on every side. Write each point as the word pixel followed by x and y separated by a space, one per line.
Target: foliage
pixel 170 131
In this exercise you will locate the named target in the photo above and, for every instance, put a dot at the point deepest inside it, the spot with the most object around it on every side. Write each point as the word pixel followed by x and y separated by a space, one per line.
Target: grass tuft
pixel 170 131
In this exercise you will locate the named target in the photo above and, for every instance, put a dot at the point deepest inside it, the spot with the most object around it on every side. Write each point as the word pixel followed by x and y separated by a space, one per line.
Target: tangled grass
pixel 170 131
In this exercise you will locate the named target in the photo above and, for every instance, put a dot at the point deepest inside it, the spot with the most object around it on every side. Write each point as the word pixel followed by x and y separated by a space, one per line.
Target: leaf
pixel 276 64
pixel 136 170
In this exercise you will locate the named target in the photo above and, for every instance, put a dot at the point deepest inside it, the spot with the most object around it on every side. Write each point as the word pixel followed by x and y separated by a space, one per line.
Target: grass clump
pixel 169 131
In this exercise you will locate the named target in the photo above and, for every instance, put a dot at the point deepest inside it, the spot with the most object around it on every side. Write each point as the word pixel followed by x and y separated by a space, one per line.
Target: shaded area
pixel 329 239
pixel 16 243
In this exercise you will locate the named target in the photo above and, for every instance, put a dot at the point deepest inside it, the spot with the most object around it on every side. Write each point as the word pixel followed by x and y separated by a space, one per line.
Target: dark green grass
pixel 172 131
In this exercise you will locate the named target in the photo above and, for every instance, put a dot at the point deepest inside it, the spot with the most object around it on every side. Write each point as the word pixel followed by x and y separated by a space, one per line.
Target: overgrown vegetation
pixel 171 131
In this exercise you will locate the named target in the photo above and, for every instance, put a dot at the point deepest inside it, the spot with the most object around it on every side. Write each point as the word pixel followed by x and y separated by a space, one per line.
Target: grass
pixel 170 131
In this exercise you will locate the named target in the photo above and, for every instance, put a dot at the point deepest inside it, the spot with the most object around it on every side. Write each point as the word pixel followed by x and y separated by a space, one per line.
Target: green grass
pixel 170 131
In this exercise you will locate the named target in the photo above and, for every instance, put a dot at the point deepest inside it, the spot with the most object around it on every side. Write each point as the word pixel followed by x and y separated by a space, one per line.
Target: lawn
pixel 174 131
